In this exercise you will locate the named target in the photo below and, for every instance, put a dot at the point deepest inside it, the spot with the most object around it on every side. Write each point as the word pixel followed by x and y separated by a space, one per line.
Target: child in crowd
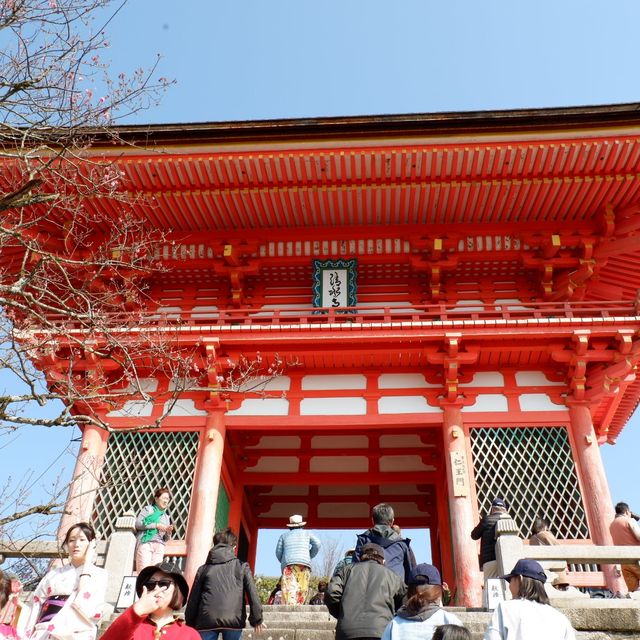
pixel 319 597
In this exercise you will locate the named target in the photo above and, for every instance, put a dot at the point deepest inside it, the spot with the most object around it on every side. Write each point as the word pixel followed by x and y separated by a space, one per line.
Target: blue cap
pixel 499 502
pixel 424 574
pixel 527 569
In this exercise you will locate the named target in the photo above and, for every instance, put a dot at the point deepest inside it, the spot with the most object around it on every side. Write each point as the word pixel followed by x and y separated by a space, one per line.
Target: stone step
pixel 615 620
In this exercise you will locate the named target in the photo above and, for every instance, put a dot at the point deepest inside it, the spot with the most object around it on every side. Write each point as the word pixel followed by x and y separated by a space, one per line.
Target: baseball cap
pixel 527 569
pixel 424 574
pixel 499 502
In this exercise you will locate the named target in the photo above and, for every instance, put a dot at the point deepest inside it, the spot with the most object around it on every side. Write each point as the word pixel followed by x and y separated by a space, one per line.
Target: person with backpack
pixel 364 596
pixel 398 555
pixel 217 601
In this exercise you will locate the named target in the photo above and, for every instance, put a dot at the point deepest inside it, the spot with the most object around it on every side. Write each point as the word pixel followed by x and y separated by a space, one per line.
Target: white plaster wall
pixel 289 490
pixel 376 307
pixel 401 489
pixel 202 312
pixel 268 309
pixel 404 381
pixel 275 464
pixel 283 511
pixel 133 409
pixel 267 383
pixel 489 402
pixel 535 379
pixel 349 510
pixel 167 313
pixel 538 402
pixel 353 464
pixel 339 442
pixel 403 463
pixel 276 442
pixel 403 440
pixel 331 383
pixel 485 379
pixel 184 407
pixel 341 490
pixel 184 383
pixel 405 404
pixel 148 385
pixel 333 407
pixel 261 407
pixel 409 509
pixel 510 304
pixel 468 305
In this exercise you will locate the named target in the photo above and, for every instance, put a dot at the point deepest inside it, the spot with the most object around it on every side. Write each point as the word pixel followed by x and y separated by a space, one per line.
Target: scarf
pixel 152 518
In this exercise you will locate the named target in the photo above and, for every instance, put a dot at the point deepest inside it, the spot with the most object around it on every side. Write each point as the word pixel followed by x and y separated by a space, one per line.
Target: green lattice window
pixel 533 469
pixel 136 465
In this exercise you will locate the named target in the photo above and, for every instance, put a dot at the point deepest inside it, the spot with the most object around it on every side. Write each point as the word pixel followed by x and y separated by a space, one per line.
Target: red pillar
pixel 595 489
pixel 465 559
pixel 204 496
pixel 86 478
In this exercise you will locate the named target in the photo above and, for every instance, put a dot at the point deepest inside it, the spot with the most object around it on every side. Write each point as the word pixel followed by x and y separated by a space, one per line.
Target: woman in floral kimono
pixel 68 602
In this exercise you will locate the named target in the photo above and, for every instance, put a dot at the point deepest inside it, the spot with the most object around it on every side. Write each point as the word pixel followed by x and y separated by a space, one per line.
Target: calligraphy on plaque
pixel 334 283
pixel 460 475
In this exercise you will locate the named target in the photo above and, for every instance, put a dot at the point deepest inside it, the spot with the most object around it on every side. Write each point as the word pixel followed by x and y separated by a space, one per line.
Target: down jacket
pixel 485 531
pixel 217 598
pixel 363 596
pixel 398 555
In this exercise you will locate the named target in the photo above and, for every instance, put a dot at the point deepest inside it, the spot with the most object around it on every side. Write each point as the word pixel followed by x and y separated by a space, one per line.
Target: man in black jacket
pixel 216 603
pixel 364 596
pixel 398 555
pixel 485 531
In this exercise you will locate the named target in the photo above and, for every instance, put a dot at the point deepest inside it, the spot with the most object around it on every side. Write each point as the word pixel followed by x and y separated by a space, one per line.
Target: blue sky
pixel 295 58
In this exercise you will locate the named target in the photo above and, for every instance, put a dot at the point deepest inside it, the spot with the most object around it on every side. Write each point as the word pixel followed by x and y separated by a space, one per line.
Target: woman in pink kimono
pixel 68 602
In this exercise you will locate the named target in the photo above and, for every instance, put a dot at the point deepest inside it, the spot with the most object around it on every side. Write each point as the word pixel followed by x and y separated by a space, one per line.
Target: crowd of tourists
pixel 377 591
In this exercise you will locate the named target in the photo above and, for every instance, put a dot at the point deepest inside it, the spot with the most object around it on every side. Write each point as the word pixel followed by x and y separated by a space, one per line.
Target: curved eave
pixel 446 123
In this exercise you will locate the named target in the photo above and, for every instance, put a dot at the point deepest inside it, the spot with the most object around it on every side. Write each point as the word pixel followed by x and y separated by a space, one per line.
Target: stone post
pixel 120 554
pixel 509 546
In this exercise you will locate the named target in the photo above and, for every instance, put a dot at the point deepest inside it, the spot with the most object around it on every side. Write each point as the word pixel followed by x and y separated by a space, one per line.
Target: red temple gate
pixel 490 348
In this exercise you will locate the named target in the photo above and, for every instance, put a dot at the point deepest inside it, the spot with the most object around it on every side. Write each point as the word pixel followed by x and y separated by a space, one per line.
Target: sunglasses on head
pixel 163 584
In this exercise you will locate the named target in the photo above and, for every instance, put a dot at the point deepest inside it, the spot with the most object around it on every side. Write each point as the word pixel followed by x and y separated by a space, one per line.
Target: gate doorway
pixel 333 478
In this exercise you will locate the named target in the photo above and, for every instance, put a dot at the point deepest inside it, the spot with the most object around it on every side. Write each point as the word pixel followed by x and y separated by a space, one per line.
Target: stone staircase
pixel 595 620
pixel 307 622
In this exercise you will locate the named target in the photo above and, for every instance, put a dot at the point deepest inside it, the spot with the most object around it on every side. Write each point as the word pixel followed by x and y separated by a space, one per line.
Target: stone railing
pixel 510 548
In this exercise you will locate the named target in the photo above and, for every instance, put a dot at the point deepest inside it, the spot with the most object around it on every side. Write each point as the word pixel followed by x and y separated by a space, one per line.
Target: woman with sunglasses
pixel 69 600
pixel 162 591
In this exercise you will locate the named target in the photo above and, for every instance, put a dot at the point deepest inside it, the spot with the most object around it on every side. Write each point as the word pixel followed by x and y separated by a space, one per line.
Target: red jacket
pixel 130 626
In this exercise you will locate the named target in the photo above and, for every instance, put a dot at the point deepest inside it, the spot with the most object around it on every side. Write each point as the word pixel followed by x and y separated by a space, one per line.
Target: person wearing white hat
pixel 294 550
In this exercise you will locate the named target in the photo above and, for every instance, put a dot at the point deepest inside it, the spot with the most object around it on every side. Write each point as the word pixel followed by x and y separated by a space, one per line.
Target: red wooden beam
pixel 339 479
